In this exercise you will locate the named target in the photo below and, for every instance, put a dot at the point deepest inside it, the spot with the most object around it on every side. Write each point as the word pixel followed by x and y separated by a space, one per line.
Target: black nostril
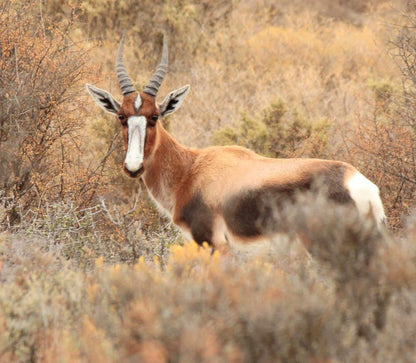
pixel 133 174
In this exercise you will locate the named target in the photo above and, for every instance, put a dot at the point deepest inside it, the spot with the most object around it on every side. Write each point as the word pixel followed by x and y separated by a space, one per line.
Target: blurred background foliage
pixel 327 79
pixel 320 78
pixel 277 134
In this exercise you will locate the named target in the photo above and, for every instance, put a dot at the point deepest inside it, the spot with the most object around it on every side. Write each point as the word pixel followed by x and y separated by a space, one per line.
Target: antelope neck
pixel 166 168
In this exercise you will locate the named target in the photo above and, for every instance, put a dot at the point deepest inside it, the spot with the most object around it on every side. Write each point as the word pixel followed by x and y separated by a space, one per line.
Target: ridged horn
pixel 126 85
pixel 157 78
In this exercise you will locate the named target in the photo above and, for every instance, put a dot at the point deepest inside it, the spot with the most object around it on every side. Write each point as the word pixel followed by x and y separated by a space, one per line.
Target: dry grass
pixel 88 269
pixel 352 301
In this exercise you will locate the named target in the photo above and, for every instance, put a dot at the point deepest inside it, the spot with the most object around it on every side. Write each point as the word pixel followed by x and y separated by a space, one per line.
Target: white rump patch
pixel 366 196
pixel 136 137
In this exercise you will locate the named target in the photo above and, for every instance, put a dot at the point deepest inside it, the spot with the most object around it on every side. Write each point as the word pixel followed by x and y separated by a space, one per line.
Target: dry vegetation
pixel 90 272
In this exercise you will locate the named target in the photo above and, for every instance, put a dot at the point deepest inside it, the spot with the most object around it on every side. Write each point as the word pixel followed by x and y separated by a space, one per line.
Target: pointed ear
pixel 173 100
pixel 104 99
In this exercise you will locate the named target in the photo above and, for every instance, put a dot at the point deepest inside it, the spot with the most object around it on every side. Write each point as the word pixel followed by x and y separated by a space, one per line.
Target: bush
pixel 40 145
pixel 386 141
pixel 353 300
pixel 278 134
pixel 92 273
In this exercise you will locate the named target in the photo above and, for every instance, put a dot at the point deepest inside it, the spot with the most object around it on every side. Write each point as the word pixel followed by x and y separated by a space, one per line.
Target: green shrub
pixel 278 133
pixel 355 300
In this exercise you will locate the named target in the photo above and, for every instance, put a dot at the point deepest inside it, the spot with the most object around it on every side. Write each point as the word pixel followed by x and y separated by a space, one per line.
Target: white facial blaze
pixel 135 147
pixel 137 103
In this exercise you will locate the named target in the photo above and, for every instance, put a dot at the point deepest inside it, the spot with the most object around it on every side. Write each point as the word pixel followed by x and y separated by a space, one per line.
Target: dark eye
pixel 155 118
pixel 121 117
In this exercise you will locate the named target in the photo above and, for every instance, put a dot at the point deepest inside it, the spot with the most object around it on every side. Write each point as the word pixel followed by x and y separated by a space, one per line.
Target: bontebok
pixel 219 194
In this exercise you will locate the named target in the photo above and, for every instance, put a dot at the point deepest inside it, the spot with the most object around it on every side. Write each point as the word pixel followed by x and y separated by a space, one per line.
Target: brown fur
pixel 217 194
pixel 187 182
pixel 166 170
pixel 147 109
pixel 127 106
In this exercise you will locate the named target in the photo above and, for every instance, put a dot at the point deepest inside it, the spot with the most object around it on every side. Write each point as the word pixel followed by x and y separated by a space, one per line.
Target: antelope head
pixel 138 112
